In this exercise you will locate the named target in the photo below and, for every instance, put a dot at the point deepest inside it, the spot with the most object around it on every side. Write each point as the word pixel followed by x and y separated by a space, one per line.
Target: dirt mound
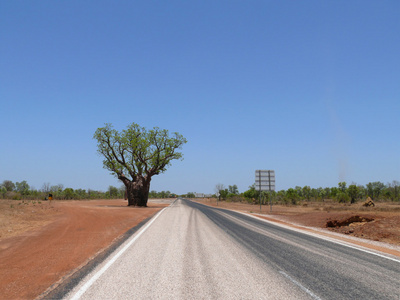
pixel 369 203
pixel 348 221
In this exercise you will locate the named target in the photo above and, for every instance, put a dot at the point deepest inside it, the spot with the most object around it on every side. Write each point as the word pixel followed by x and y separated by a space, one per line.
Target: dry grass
pixel 17 217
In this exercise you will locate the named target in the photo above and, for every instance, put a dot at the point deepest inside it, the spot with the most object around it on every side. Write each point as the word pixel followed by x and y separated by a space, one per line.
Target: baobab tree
pixel 135 155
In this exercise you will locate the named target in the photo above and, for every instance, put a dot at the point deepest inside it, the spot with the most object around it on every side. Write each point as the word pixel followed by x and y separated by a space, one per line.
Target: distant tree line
pixel 161 195
pixel 22 190
pixel 343 193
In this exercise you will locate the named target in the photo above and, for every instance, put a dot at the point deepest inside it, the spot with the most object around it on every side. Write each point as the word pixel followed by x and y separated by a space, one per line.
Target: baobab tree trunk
pixel 137 191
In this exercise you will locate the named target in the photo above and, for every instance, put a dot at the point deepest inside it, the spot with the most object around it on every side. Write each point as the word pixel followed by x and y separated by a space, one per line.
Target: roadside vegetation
pixel 23 191
pixel 342 193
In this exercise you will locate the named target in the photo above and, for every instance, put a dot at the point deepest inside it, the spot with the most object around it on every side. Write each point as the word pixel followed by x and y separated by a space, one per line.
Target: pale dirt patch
pixel 17 216
pixel 41 244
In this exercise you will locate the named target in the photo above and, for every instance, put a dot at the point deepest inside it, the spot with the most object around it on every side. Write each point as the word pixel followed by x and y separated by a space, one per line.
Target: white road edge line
pixel 314 234
pixel 330 239
pixel 300 286
pixel 96 276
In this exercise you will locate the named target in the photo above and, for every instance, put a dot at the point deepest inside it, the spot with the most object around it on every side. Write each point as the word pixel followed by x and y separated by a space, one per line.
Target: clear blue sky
pixel 310 89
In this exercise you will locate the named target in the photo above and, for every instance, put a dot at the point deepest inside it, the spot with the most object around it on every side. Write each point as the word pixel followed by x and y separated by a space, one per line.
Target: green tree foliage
pixel 224 193
pixel 8 185
pixel 299 191
pixel 233 189
pixel 334 191
pixel 292 195
pixel 81 194
pixel 374 189
pixel 113 192
pixel 394 190
pixel 306 190
pixel 69 194
pixel 136 154
pixel 22 187
pixel 3 191
pixel 342 197
pixel 341 193
pixel 353 192
pixel 161 195
pixel 342 187
pixel 251 194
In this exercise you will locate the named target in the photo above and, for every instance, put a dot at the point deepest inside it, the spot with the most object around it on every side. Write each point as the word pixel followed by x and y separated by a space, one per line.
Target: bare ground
pixel 41 243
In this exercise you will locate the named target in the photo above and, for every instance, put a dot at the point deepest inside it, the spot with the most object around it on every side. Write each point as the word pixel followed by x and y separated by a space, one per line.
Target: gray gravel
pixel 185 255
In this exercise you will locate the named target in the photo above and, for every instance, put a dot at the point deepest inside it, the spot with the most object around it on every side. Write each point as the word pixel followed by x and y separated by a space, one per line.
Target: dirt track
pixel 34 260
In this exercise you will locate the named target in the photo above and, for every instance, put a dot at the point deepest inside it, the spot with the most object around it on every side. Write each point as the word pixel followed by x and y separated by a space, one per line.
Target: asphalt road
pixel 192 251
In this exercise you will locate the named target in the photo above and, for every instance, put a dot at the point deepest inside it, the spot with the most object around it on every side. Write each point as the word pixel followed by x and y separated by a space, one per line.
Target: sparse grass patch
pixel 18 217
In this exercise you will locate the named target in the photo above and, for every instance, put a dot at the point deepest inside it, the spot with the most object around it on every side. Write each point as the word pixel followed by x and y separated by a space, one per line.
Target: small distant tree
pixel 353 193
pixel 374 189
pixel 306 192
pixel 135 155
pixel 81 193
pixel 394 190
pixel 57 188
pixel 342 186
pixel 9 185
pixel 233 189
pixel 334 191
pixel 223 193
pixel 3 191
pixel 113 191
pixel 292 195
pixel 299 191
pixel 251 193
pixel 281 196
pixel 153 194
pixel 321 193
pixel 342 197
pixel 22 187
pixel 69 193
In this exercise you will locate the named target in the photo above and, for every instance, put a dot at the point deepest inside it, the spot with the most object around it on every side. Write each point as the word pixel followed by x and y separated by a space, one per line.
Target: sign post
pixel 265 181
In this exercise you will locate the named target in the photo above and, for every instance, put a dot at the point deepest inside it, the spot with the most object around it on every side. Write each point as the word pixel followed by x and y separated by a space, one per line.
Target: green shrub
pixel 342 197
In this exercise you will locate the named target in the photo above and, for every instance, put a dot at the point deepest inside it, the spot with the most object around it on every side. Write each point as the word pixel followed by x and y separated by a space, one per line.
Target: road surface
pixel 192 251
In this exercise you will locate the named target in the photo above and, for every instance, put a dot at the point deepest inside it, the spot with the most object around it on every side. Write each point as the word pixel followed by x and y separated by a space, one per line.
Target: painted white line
pixel 300 286
pixel 322 237
pixel 96 276
pixel 314 234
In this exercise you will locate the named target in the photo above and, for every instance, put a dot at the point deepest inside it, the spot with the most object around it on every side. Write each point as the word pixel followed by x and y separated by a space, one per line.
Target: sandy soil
pixel 41 243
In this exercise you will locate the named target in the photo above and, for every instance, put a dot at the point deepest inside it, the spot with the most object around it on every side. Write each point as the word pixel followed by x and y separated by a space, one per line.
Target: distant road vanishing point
pixel 192 251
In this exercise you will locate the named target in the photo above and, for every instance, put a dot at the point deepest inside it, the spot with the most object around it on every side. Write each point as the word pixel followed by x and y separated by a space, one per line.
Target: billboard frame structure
pixel 265 181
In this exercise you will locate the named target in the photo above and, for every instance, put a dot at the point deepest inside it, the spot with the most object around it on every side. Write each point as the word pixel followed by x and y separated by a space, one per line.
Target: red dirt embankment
pixel 32 261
